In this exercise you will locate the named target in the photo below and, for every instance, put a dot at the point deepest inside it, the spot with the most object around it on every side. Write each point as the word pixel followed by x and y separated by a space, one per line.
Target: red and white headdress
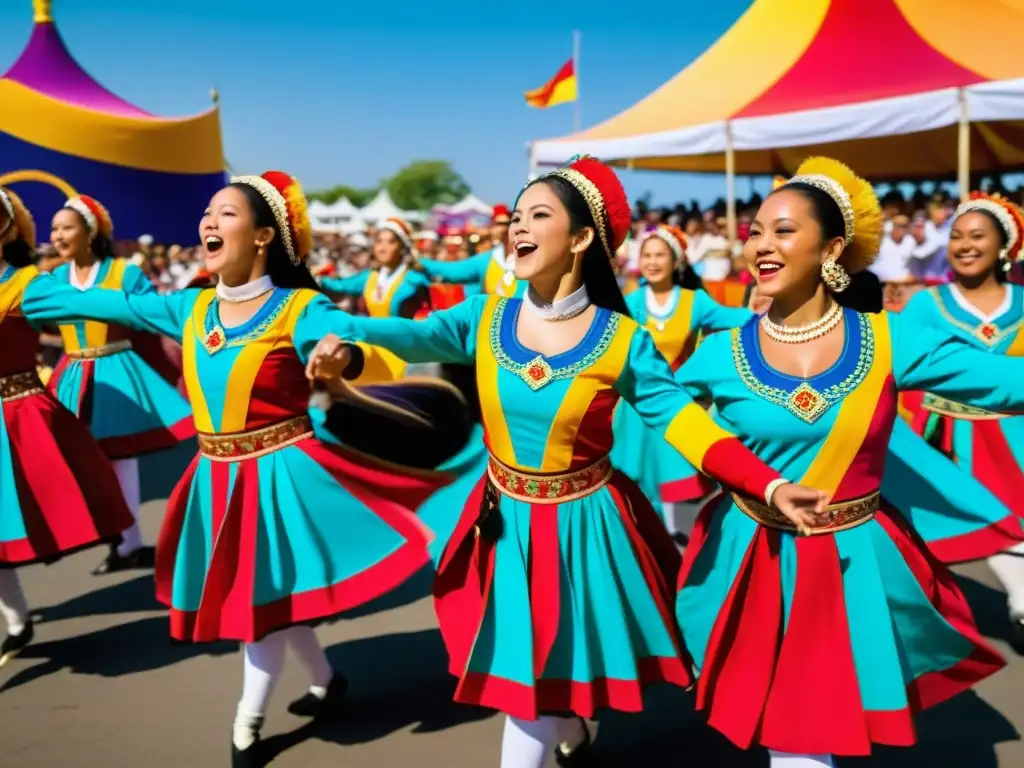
pixel 97 218
pixel 672 236
pixel 287 201
pixel 1009 216
pixel 399 229
pixel 500 215
pixel 20 218
pixel 601 189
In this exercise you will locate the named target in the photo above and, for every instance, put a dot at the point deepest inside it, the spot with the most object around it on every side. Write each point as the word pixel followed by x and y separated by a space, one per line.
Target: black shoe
pixel 310 705
pixel 1017 635
pixel 251 757
pixel 582 754
pixel 15 644
pixel 142 558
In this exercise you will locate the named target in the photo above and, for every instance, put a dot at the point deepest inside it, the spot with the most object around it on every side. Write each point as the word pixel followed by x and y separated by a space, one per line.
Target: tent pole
pixel 730 183
pixel 532 170
pixel 963 164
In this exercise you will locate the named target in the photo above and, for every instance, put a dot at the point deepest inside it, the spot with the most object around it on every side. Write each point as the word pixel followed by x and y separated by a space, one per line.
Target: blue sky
pixel 335 94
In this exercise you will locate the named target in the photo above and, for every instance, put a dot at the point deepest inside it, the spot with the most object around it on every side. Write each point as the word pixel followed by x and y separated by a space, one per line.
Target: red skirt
pixel 58 490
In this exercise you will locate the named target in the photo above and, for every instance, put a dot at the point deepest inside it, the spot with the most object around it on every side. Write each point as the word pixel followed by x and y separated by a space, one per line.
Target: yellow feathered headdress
pixel 858 203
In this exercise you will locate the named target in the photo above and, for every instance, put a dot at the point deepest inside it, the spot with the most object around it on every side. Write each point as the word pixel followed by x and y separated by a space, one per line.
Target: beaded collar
pixel 807 399
pixel 537 370
pixel 988 332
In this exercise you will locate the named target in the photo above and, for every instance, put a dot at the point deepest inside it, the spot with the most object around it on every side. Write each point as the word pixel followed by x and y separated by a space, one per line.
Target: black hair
pixel 1002 275
pixel 18 253
pixel 101 246
pixel 283 272
pixel 598 275
pixel 864 293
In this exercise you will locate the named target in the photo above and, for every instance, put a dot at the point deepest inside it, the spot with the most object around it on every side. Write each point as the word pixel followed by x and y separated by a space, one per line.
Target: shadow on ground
pixel 396 681
pixel 400 681
pixel 124 649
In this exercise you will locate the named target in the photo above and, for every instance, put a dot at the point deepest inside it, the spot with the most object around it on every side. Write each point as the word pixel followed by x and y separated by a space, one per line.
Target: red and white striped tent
pixel 898 89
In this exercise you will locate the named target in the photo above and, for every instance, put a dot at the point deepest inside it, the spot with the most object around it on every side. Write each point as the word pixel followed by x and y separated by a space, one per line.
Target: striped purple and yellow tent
pixel 62 133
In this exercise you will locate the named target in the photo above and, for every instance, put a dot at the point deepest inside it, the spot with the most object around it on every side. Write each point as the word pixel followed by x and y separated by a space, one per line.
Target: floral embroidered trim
pixel 537 372
pixel 988 333
pixel 551 488
pixel 805 402
pixel 214 338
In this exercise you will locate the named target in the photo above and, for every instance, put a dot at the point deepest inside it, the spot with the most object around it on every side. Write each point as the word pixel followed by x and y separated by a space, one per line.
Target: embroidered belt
pixel 91 353
pixel 946 407
pixel 235 446
pixel 19 385
pixel 552 488
pixel 840 516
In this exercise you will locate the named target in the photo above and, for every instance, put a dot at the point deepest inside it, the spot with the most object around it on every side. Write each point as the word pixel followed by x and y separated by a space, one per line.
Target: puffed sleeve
pixel 354 285
pixel 648 385
pixel 49 300
pixel 926 357
pixel 448 336
pixel 471 270
pixel 709 315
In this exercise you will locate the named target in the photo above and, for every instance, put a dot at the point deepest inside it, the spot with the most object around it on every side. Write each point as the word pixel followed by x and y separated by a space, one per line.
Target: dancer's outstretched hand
pixel 329 360
pixel 802 506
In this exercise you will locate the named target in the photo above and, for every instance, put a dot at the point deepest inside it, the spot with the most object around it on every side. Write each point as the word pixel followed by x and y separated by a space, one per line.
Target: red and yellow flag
pixel 558 90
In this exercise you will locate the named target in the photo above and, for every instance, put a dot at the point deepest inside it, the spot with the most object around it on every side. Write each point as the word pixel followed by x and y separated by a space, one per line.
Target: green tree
pixel 358 197
pixel 424 183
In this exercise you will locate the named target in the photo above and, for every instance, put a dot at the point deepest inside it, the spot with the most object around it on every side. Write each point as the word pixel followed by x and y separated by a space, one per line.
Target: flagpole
pixel 576 72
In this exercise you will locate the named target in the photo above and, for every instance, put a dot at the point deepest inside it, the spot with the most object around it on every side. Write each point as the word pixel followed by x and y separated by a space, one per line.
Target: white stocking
pixel 668 514
pixel 1008 567
pixel 793 760
pixel 264 662
pixel 686 515
pixel 13 605
pixel 311 654
pixel 528 743
pixel 127 471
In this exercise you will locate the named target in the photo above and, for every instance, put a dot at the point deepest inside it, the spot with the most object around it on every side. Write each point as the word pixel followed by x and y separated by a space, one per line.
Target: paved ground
pixel 103 686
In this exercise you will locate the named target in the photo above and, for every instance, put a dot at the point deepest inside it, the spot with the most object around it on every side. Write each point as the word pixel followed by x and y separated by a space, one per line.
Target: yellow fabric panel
pixel 748 60
pixel 692 432
pixel 249 361
pixel 585 386
pixel 499 442
pixel 12 291
pixel 96 332
pixel 981 35
pixel 180 145
pixel 854 418
pixel 671 341
pixel 189 348
pixel 379 365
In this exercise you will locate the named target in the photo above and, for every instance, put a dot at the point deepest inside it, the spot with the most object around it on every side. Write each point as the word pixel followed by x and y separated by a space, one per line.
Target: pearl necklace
pixel 801 334
pixel 236 294
pixel 562 309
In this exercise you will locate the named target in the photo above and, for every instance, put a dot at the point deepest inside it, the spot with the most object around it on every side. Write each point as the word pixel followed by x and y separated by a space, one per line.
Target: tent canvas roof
pixel 381 207
pixel 794 77
pixel 47 67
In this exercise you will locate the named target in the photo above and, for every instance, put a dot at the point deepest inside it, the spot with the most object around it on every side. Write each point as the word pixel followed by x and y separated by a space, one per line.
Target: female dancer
pixel 491 272
pixel 130 409
pixel 391 290
pixel 269 528
pixel 984 310
pixel 554 593
pixel 59 491
pixel 675 310
pixel 827 642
